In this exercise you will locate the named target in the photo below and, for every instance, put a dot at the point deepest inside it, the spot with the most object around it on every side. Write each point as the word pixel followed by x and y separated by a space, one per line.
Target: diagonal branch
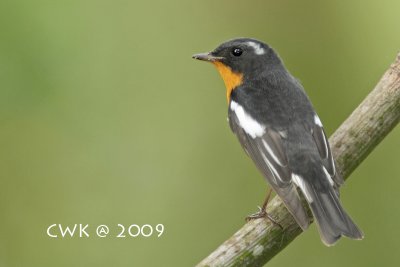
pixel 260 240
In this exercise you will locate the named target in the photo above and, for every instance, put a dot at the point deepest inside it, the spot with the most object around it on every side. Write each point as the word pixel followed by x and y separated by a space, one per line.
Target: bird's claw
pixel 262 213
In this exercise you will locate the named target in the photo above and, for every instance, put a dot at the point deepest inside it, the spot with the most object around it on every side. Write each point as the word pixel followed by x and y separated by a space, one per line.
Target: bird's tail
pixel 332 220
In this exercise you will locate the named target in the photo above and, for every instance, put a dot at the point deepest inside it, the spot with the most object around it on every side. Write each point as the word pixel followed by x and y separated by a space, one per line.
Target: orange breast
pixel 231 79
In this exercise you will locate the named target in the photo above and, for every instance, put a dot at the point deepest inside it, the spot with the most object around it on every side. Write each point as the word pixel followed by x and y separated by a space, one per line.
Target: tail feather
pixel 292 202
pixel 332 220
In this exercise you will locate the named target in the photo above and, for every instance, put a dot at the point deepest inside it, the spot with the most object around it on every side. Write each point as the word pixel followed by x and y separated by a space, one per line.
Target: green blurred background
pixel 106 119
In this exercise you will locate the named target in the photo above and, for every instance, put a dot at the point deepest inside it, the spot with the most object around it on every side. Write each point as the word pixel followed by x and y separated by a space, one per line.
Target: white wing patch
pixel 328 176
pixel 317 121
pixel 299 181
pixel 333 166
pixel 275 158
pixel 271 168
pixel 249 125
pixel 283 134
pixel 257 48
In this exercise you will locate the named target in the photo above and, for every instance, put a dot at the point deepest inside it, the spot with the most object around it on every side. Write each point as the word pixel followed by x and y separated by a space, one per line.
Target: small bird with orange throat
pixel 277 126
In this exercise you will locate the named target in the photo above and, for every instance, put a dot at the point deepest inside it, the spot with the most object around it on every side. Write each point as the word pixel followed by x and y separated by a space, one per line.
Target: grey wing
pixel 324 150
pixel 268 153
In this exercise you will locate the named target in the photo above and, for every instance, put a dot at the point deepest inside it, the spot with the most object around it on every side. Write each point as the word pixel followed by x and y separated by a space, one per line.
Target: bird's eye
pixel 237 52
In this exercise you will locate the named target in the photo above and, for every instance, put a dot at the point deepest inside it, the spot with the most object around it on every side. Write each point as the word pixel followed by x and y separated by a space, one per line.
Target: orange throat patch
pixel 231 79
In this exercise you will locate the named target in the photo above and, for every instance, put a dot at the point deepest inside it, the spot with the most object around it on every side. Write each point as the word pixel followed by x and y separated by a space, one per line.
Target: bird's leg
pixel 262 213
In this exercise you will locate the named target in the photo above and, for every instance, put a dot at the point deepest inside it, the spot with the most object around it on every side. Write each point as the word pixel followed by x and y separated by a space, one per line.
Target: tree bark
pixel 260 240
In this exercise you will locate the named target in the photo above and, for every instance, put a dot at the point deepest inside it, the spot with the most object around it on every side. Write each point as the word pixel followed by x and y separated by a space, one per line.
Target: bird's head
pixel 240 59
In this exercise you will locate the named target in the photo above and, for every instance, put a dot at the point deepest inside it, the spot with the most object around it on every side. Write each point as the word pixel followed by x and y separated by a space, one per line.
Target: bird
pixel 277 126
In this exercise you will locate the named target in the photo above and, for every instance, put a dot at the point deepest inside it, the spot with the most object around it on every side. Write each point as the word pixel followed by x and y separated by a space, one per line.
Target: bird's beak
pixel 206 57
